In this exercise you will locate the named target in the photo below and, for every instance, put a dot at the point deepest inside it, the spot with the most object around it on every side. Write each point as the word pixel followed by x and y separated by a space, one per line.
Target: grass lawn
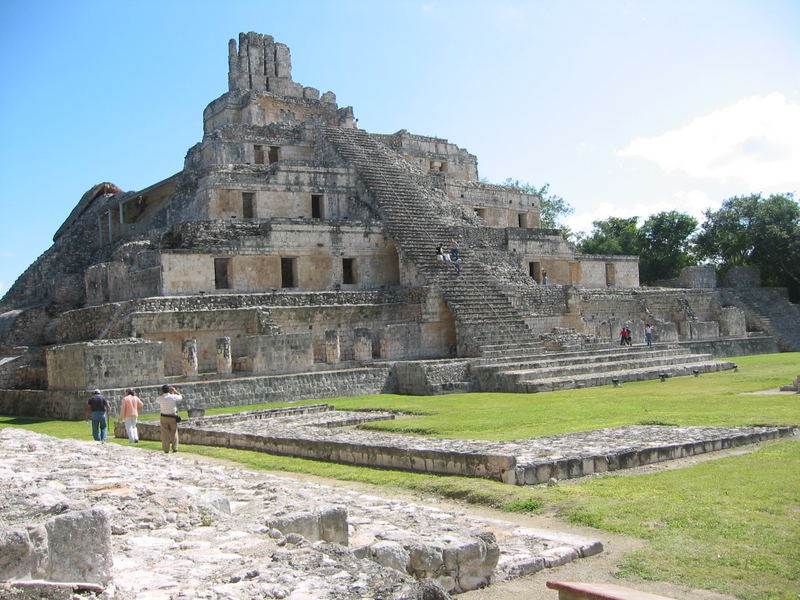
pixel 731 525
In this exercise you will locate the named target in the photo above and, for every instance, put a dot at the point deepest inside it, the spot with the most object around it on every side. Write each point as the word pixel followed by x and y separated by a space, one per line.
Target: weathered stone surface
pixel 183 527
pixel 79 547
pixel 322 433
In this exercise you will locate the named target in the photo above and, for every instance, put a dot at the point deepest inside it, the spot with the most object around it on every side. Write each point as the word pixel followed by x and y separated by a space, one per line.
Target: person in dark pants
pixel 97 409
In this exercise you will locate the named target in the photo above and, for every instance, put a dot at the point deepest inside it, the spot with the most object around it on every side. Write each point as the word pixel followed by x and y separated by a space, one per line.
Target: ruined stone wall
pixel 258 146
pixel 206 326
pixel 85 324
pixel 676 314
pixel 433 154
pixel 738 277
pixel 70 405
pixel 317 251
pixel 107 363
pixel 497 206
pixel 388 326
pixel 286 353
pixel 116 281
pixel 282 190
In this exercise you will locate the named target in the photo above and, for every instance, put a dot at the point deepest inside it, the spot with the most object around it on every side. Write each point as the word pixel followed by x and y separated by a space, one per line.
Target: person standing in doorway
pixel 648 334
pixel 97 409
pixel 129 411
pixel 545 279
pixel 168 402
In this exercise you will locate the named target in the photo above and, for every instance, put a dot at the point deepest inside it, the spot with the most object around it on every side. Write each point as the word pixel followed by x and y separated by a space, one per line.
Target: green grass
pixel 729 525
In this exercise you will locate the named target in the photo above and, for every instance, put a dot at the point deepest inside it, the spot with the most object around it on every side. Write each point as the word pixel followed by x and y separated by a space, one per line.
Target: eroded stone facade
pixel 288 230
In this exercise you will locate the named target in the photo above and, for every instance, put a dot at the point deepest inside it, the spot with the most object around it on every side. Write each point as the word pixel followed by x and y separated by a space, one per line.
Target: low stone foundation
pixel 321 433
pixel 216 393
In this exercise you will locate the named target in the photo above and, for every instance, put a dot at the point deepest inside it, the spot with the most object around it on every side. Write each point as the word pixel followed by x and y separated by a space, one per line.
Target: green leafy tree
pixel 755 231
pixel 612 236
pixel 664 245
pixel 553 206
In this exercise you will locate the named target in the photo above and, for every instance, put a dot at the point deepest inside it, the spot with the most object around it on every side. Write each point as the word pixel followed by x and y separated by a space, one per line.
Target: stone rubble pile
pixel 154 526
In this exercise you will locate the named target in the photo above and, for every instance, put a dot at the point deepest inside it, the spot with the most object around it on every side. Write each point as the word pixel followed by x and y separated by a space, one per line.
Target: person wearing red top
pixel 130 412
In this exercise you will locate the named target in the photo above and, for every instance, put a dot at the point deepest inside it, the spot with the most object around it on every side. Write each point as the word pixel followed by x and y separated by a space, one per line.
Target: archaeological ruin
pixel 295 256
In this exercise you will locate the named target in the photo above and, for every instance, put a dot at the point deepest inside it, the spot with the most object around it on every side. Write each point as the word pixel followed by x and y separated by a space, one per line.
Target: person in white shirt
pixel 168 401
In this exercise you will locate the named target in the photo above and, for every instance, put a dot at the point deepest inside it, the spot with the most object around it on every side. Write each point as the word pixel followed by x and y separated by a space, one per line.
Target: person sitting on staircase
pixel 440 255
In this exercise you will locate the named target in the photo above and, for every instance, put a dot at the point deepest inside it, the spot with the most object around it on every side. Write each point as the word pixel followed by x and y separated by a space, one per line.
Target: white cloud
pixel 691 202
pixel 755 142
pixel 3 288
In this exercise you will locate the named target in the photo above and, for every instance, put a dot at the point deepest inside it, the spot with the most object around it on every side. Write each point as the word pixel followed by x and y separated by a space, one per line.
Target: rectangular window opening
pixel 535 271
pixel 348 270
pixel 273 154
pixel 222 273
pixel 316 206
pixel 248 200
pixel 288 266
pixel 520 219
pixel 258 154
pixel 611 274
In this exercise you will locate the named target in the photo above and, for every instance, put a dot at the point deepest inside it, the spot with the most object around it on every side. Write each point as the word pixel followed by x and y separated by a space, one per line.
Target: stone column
pixel 224 359
pixel 332 350
pixel 362 345
pixel 190 358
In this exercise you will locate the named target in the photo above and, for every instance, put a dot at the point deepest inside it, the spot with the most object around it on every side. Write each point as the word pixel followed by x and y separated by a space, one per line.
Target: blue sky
pixel 625 108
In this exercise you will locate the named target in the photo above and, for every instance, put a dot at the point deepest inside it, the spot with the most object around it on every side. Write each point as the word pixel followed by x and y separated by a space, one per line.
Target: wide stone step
pixel 626 375
pixel 614 366
pixel 582 357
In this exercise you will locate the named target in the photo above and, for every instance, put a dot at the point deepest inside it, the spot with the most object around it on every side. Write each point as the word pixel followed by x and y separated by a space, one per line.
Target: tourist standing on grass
pixel 97 409
pixel 129 411
pixel 648 334
pixel 168 402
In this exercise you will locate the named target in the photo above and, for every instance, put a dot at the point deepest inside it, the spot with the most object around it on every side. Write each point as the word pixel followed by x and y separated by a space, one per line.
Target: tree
pixel 755 231
pixel 553 207
pixel 613 236
pixel 664 245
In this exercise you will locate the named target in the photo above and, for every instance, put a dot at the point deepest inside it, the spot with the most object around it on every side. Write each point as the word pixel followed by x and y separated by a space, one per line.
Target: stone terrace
pixel 180 527
pixel 319 432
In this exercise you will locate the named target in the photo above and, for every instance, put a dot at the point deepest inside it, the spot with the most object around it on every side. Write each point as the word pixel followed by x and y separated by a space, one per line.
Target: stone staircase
pixel 492 315
pixel 589 368
pixel 768 309
pixel 418 219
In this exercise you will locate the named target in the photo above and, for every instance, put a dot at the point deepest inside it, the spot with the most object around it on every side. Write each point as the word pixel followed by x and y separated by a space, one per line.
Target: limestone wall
pixel 287 353
pixel 317 256
pixel 107 363
pixel 206 326
pixel 676 314
pixel 498 206
pixel 211 394
pixel 433 154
